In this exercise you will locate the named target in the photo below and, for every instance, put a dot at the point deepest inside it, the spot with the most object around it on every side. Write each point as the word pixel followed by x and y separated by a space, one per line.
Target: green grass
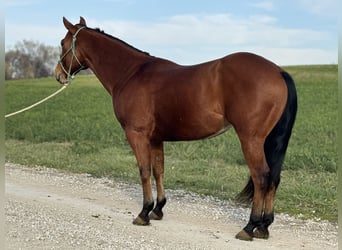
pixel 77 131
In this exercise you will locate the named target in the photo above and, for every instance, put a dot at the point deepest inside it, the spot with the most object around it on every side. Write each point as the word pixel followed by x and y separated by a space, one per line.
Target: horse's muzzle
pixel 60 75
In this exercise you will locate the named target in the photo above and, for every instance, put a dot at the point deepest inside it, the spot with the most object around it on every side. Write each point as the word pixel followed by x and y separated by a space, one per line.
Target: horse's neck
pixel 113 62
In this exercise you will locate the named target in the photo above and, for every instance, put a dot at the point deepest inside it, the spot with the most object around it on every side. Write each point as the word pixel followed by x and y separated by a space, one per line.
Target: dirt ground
pixel 50 209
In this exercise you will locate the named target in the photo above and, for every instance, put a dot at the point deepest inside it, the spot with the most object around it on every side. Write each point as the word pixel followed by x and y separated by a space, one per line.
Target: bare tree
pixel 30 59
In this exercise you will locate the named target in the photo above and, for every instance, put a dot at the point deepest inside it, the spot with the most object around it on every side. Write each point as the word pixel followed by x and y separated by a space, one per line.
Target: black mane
pixel 119 40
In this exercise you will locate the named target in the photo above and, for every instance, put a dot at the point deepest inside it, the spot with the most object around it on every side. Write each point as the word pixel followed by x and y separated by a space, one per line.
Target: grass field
pixel 77 131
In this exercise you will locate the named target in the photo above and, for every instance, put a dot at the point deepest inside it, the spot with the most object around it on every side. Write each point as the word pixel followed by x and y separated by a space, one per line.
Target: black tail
pixel 277 141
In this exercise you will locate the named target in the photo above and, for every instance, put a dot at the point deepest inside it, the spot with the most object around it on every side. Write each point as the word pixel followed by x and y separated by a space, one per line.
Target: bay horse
pixel 156 100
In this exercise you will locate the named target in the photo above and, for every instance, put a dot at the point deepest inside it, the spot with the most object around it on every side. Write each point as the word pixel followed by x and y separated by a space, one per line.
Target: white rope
pixel 68 73
pixel 37 103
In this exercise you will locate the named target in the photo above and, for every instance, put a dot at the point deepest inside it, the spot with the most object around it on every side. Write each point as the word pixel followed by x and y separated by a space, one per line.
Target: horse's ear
pixel 82 21
pixel 69 26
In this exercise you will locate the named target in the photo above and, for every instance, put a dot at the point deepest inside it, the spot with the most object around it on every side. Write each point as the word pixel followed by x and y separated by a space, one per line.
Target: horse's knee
pixel 145 174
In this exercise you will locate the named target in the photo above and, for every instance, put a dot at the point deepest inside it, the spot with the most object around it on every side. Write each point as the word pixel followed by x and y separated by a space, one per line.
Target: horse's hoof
pixel 243 235
pixel 261 234
pixel 154 216
pixel 140 222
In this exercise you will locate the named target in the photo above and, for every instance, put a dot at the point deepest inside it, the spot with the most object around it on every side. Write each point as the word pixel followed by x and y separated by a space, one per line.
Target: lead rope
pixel 37 103
pixel 70 76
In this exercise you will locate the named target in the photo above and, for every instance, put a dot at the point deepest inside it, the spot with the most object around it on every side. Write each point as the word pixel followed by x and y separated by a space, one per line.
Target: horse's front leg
pixel 142 150
pixel 157 158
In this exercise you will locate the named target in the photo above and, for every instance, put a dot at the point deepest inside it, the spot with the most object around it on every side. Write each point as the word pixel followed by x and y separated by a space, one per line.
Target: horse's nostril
pixel 58 77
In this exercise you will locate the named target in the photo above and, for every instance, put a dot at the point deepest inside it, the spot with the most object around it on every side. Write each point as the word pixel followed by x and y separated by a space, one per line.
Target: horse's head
pixel 71 61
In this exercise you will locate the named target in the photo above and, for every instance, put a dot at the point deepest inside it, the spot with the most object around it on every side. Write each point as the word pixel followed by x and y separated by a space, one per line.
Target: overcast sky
pixel 288 32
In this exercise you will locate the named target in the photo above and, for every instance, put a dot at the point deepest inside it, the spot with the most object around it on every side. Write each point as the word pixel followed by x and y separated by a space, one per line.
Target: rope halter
pixel 72 49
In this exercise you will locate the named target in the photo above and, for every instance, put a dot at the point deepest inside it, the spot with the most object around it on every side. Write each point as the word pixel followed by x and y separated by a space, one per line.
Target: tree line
pixel 30 59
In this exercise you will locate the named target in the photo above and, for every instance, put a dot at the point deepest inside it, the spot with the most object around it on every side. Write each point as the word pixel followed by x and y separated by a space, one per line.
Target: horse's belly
pixel 221 131
pixel 202 129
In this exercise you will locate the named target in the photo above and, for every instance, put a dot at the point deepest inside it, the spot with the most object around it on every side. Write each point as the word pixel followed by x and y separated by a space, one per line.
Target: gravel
pixel 50 209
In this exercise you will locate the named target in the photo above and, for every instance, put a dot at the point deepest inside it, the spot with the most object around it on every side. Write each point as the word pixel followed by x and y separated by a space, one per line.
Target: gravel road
pixel 50 209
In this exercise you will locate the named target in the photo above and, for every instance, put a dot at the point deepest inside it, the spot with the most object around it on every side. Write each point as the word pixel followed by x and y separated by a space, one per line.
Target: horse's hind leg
pixel 262 231
pixel 157 158
pixel 255 158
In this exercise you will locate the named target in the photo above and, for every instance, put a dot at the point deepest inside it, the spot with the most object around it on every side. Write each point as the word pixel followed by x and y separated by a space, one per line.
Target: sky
pixel 287 32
